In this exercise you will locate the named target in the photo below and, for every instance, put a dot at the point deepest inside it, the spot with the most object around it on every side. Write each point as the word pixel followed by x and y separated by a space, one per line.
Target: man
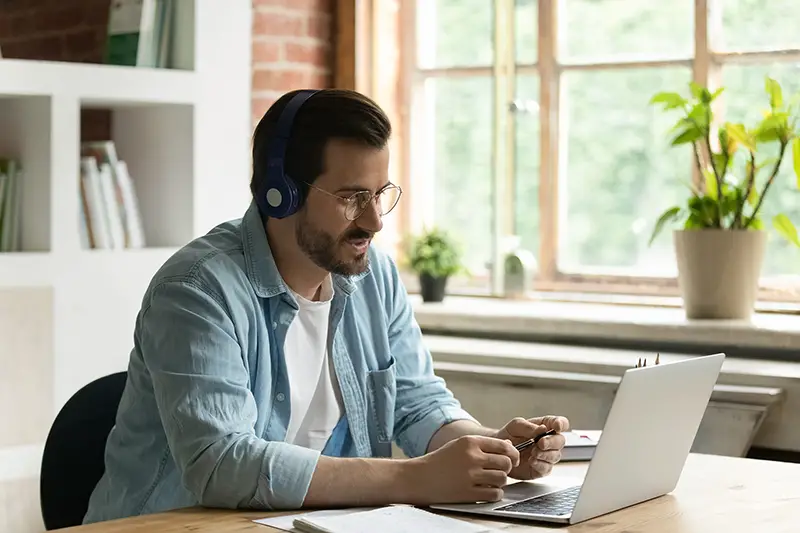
pixel 277 358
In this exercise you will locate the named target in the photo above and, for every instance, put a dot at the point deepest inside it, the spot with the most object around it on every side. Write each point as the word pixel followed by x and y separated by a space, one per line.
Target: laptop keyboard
pixel 557 503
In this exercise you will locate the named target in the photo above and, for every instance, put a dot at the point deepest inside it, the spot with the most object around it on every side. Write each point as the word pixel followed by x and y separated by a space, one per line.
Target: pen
pixel 530 442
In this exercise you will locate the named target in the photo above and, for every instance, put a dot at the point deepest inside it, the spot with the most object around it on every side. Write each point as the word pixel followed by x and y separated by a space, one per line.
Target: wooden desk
pixel 715 494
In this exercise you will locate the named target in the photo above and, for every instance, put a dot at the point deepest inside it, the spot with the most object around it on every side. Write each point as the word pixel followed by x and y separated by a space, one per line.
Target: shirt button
pixel 280 397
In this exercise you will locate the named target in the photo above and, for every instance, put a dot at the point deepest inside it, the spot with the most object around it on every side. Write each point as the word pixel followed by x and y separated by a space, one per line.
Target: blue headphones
pixel 279 196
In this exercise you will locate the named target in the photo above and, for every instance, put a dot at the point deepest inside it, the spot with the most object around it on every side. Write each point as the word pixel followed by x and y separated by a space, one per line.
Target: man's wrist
pixel 408 486
pixel 364 482
pixel 488 432
pixel 456 429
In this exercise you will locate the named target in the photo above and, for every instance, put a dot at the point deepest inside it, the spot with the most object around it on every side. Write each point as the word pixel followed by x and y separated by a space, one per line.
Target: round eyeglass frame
pixel 354 207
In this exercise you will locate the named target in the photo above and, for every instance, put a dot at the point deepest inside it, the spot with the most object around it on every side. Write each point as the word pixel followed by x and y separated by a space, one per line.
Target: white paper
pixel 393 519
pixel 285 522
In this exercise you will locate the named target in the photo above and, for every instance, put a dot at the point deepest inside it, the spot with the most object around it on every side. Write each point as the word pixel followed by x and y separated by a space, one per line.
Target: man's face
pixel 323 232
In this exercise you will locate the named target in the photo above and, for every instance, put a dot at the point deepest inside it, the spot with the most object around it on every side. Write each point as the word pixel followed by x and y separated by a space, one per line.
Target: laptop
pixel 645 442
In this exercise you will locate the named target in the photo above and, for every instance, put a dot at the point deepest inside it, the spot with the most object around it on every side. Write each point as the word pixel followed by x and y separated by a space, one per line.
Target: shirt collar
pixel 261 268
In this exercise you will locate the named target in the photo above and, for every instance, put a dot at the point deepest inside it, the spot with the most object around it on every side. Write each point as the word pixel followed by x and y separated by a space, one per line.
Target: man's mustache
pixel 357 234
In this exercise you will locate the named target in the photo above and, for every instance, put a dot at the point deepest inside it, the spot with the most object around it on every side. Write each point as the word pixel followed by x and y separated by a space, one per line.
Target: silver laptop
pixel 646 439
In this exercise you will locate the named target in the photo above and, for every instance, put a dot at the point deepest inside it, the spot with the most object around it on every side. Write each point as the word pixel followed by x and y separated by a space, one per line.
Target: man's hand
pixel 467 463
pixel 538 460
pixel 469 469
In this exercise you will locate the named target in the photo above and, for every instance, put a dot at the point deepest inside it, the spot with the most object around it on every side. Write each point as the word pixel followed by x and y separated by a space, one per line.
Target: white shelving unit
pixel 67 314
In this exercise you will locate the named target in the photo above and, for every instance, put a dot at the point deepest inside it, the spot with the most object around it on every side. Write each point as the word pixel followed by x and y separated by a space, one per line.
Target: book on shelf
pixel 10 197
pixel 150 33
pixel 108 206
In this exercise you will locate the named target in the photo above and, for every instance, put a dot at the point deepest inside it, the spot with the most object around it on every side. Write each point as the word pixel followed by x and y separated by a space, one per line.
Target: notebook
pixel 286 522
pixel 392 519
pixel 580 445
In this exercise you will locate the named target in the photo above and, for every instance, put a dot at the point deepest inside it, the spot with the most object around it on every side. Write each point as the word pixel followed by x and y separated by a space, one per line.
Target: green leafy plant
pixel 724 201
pixel 435 253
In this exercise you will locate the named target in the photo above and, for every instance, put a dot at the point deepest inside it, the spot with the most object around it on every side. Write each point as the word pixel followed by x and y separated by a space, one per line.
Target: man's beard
pixel 324 250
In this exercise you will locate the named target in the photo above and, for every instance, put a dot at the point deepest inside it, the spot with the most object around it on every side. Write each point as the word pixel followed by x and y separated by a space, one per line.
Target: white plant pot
pixel 718 271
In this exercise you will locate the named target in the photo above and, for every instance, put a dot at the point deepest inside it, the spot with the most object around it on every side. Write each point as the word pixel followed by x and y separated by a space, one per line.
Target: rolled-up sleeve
pixel 423 403
pixel 200 382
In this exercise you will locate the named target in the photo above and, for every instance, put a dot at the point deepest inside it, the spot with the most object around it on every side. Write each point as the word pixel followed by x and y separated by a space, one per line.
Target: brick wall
pixel 58 30
pixel 291 48
pixel 291 44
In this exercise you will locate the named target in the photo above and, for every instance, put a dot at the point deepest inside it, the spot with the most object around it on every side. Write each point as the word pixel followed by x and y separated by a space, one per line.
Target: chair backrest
pixel 73 460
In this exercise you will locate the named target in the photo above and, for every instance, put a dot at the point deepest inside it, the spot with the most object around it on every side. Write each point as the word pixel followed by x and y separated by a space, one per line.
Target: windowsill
pixel 463 287
pixel 623 325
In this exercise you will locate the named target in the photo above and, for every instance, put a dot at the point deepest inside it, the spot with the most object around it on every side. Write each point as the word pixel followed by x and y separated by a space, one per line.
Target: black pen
pixel 530 442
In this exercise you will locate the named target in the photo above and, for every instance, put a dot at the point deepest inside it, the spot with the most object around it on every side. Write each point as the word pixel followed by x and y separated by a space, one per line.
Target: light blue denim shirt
pixel 204 414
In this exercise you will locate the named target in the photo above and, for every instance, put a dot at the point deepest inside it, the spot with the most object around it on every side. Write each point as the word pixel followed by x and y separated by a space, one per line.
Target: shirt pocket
pixel 381 392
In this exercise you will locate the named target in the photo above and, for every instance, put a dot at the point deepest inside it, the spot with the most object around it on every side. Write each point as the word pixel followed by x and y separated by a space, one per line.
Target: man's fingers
pixel 499 446
pixel 499 462
pixel 491 478
pixel 550 456
pixel 487 494
pixel 523 429
pixel 553 442
pixel 541 469
pixel 559 423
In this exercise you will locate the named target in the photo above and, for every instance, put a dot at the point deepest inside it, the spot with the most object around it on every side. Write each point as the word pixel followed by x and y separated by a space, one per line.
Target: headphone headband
pixel 280 197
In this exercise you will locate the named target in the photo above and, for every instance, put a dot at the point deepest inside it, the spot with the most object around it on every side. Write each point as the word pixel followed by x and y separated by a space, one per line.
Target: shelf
pixel 67 314
pixel 25 127
pixel 97 85
pixel 132 256
pixel 157 145
pixel 115 269
pixel 26 338
pixel 34 269
pixel 26 269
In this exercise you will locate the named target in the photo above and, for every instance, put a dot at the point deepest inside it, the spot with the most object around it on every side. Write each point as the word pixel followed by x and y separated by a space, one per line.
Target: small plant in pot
pixel 720 246
pixel 434 256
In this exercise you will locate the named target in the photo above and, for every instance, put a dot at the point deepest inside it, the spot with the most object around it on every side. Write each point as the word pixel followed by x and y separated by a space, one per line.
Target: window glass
pixel 454 33
pixel 605 30
pixel 619 171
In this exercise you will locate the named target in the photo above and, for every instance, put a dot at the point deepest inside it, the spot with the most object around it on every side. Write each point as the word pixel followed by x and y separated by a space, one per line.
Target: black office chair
pixel 72 462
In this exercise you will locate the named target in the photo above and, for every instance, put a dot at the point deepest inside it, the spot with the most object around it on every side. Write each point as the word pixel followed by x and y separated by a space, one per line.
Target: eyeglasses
pixel 386 199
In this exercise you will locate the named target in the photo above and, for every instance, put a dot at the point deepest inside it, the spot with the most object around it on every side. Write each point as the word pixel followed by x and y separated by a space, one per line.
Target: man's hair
pixel 328 114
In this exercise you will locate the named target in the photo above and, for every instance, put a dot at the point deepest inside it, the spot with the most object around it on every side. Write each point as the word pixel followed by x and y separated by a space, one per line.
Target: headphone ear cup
pixel 293 203
pixel 281 198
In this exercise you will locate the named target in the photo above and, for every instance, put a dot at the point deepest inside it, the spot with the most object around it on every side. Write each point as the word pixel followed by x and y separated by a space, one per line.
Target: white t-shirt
pixel 316 405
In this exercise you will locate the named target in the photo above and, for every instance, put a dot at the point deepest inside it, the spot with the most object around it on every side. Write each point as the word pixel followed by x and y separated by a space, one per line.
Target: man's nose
pixel 370 219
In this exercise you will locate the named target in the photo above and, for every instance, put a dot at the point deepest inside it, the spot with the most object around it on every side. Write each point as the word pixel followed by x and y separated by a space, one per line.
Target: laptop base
pixel 542 502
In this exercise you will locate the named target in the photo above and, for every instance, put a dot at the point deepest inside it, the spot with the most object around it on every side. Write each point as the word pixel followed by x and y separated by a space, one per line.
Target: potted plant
pixel 434 256
pixel 720 246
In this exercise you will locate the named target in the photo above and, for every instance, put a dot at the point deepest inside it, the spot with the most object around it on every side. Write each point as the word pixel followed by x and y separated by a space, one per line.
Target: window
pixel 531 118
pixel 452 131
